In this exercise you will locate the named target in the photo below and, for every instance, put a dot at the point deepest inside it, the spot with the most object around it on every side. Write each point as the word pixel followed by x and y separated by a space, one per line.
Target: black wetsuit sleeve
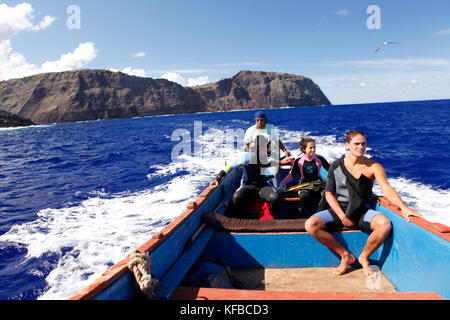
pixel 331 181
pixel 325 163
pixel 295 168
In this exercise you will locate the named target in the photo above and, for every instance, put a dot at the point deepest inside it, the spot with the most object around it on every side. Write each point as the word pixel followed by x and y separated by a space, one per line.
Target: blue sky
pixel 198 41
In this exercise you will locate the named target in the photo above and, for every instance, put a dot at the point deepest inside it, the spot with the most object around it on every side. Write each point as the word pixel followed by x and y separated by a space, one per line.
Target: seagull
pixel 385 44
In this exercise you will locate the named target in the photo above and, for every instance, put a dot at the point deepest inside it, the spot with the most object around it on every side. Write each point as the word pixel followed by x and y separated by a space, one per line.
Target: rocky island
pixel 261 90
pixel 9 120
pixel 101 94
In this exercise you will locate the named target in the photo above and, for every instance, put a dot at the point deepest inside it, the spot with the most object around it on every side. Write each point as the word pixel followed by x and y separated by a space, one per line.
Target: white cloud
pixel 384 87
pixel 82 55
pixel 383 80
pixel 19 18
pixel 442 32
pixel 343 13
pixel 192 82
pixel 15 65
pixel 134 72
pixel 174 77
pixel 44 24
pixel 140 54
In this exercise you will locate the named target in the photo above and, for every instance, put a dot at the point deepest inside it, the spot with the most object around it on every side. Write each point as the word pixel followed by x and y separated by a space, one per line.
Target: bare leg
pixel 316 228
pixel 381 228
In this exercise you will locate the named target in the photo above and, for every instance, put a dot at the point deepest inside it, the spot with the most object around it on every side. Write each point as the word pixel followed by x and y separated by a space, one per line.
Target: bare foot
pixel 346 261
pixel 366 266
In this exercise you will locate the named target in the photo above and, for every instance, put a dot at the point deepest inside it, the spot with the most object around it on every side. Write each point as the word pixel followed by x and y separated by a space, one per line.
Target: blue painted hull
pixel 415 257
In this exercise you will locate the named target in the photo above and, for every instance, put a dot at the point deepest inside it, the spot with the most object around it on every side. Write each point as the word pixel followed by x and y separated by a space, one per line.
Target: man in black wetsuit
pixel 259 179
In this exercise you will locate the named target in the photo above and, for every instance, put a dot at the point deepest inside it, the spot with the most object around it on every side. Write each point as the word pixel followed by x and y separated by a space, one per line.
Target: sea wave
pixel 37 126
pixel 92 236
pixel 76 241
pixel 429 201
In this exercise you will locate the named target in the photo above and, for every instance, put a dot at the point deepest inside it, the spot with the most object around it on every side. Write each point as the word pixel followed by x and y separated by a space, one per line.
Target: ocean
pixel 76 198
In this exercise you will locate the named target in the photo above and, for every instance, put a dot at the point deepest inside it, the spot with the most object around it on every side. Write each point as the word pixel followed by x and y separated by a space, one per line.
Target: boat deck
pixel 308 280
pixel 302 284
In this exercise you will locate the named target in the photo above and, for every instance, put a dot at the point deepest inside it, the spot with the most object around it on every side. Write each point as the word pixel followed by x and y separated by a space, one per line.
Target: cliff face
pixel 91 95
pixel 99 94
pixel 258 90
pixel 8 119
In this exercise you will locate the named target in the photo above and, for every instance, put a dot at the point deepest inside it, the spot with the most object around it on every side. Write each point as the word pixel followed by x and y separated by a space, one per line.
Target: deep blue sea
pixel 76 198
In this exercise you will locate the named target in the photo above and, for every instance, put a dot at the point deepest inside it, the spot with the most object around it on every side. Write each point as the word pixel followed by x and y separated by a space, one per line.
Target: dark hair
pixel 353 134
pixel 304 143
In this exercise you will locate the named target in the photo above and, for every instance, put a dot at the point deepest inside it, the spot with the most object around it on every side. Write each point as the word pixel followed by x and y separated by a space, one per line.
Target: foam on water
pixel 92 236
pixel 27 127
pixel 101 231
pixel 432 203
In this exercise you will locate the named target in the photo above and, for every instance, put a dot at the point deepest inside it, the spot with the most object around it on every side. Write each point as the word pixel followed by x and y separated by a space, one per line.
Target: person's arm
pixel 248 138
pixel 390 193
pixel 288 179
pixel 334 204
pixel 283 148
pixel 238 162
pixel 325 163
pixel 275 136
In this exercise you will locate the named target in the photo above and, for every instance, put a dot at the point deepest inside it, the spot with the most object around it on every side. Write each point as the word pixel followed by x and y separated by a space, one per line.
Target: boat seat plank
pixel 221 222
pixel 224 223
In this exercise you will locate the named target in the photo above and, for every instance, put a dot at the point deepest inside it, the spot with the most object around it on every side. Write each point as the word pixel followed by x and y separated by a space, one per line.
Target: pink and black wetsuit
pixel 308 169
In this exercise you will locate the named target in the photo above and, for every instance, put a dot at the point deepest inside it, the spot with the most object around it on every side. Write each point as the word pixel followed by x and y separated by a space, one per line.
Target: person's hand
pixel 407 212
pixel 347 222
pixel 288 161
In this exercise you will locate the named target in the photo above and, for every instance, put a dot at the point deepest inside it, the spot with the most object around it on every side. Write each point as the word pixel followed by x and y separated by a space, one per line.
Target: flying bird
pixel 385 44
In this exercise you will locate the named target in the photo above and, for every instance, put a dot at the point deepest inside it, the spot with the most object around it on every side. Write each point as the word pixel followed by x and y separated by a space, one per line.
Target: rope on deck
pixel 140 265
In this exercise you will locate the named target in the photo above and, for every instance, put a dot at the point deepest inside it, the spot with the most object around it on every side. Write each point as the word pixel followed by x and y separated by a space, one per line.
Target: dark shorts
pixel 333 223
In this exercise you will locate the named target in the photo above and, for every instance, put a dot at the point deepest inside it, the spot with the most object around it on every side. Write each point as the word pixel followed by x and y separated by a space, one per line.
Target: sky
pixel 194 42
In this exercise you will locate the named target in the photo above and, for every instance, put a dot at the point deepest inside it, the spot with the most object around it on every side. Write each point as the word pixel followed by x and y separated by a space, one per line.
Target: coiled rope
pixel 139 264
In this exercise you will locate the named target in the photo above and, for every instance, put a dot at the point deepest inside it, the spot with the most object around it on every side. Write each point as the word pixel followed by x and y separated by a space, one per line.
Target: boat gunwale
pixel 120 268
pixel 201 293
pixel 437 229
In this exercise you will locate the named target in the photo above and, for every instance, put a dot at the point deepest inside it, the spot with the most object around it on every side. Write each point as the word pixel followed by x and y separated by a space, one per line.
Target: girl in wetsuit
pixel 308 167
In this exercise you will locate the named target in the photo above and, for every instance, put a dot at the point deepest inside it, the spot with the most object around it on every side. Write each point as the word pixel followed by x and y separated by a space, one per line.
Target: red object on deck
pixel 262 210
